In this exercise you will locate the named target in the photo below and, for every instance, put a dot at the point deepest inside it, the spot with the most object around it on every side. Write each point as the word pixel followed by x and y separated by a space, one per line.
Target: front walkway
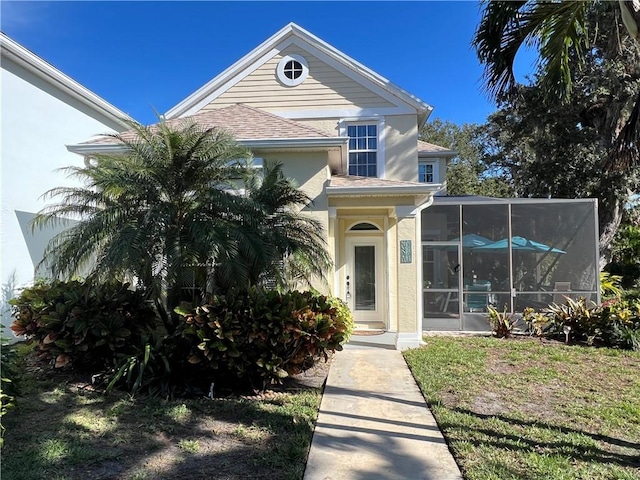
pixel 374 423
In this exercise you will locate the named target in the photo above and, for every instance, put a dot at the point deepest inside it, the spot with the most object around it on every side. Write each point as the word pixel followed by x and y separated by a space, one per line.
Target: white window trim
pixel 292 82
pixel 380 122
pixel 436 170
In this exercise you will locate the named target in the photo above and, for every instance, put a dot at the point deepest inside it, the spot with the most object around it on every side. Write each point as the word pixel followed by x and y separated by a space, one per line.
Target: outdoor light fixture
pixel 566 329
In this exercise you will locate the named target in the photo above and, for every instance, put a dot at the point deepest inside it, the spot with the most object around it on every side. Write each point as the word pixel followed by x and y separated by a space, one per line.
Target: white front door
pixel 365 278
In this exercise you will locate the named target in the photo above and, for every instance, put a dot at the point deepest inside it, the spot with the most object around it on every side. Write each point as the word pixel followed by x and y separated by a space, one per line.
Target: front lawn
pixel 62 429
pixel 532 409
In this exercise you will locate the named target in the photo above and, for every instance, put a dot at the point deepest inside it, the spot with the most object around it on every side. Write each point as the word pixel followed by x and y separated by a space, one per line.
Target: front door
pixel 365 279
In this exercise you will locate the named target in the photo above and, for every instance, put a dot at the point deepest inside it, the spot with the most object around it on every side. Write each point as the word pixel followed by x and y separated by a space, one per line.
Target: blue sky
pixel 146 56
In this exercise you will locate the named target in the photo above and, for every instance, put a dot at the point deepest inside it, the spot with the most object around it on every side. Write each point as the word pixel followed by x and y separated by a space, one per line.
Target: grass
pixel 63 430
pixel 526 409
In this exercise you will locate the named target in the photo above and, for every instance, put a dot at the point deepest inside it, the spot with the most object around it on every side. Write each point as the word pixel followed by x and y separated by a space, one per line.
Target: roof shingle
pixel 243 121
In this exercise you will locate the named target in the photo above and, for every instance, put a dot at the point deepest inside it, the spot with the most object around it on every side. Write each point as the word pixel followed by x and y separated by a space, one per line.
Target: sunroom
pixel 506 253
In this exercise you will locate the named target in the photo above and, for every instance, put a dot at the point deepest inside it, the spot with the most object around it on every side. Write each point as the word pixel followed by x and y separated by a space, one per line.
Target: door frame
pixel 379 315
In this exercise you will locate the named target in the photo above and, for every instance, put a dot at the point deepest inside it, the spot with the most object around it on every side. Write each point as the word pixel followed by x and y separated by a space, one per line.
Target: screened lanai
pixel 508 253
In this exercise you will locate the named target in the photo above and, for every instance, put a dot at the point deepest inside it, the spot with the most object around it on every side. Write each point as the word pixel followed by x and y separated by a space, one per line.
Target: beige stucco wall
pixel 400 139
pixel 407 278
pixel 401 147
pixel 310 171
pixel 325 88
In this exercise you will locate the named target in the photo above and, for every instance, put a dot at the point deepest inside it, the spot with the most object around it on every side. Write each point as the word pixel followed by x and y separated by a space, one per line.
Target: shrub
pixel 537 322
pixel 263 336
pixel 7 366
pixel 81 322
pixel 582 317
pixel 502 323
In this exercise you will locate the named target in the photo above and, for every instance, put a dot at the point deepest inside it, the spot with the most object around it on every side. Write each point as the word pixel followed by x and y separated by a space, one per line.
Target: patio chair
pixel 478 302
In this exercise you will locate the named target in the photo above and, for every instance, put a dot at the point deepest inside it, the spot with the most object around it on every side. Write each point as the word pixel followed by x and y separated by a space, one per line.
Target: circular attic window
pixel 292 70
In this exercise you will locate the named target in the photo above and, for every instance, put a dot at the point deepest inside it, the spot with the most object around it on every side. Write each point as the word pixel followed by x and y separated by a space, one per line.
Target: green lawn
pixel 63 430
pixel 526 409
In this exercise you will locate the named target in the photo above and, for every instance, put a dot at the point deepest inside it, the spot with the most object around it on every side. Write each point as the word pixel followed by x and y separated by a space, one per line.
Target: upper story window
pixel 292 70
pixel 428 172
pixel 363 150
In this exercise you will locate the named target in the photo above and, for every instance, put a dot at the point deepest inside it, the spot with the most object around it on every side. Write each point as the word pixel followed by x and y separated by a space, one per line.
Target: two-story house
pixel 350 139
pixel 405 259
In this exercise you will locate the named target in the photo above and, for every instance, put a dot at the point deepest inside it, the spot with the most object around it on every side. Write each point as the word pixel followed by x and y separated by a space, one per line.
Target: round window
pixel 292 70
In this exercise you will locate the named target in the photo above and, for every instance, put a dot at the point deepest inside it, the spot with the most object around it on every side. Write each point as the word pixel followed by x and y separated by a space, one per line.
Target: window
pixel 427 172
pixel 292 70
pixel 363 150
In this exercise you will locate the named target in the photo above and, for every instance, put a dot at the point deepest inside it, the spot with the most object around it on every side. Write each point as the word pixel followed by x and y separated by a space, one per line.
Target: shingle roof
pixel 424 147
pixel 243 121
pixel 365 182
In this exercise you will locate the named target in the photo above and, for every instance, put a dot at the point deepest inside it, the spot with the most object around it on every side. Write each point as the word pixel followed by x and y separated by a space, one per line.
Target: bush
pixel 263 336
pixel 502 323
pixel 7 369
pixel 81 322
pixel 615 323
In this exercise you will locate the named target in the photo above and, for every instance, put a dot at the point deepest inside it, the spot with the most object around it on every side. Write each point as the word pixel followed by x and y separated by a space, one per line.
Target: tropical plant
pixel 581 318
pixel 7 368
pixel 561 31
pixel 262 336
pixel 536 322
pixel 170 201
pixel 610 285
pixel 280 245
pixel 502 323
pixel 87 324
pixel 163 202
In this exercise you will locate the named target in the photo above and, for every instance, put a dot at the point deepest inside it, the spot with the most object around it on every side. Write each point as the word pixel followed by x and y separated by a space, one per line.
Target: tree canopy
pixel 551 148
pixel 466 172
pixel 566 33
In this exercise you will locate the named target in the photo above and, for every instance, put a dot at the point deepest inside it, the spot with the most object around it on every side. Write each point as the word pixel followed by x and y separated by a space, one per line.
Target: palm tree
pixel 559 29
pixel 164 202
pixel 278 244
pixel 172 201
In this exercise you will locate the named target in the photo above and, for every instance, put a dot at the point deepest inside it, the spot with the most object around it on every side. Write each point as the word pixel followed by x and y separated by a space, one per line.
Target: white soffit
pixel 293 34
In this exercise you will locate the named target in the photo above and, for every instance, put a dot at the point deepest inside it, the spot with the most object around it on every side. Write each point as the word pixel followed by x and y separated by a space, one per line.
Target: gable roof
pixel 28 60
pixel 251 127
pixel 294 34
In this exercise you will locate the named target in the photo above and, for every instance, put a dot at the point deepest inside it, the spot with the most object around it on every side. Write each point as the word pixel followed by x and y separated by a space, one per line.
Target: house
pixel 42 111
pixel 402 259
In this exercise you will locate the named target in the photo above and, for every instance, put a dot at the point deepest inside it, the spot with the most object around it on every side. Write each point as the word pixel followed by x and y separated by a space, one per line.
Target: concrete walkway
pixel 374 423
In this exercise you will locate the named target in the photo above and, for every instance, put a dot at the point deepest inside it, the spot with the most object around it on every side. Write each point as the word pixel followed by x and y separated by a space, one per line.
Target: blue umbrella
pixel 521 244
pixel 472 240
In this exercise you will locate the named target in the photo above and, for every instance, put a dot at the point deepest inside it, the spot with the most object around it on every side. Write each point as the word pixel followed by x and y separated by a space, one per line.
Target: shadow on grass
pixel 616 454
pixel 65 432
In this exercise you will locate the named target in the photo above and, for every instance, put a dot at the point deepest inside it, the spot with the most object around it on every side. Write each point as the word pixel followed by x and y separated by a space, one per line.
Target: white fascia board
pixel 391 190
pixel 295 142
pixel 96 149
pixel 236 72
pixel 216 87
pixel 362 75
pixel 361 69
pixel 44 70
pixel 279 41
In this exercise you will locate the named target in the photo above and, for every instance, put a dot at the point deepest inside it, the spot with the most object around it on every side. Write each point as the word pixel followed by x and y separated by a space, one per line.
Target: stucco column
pixel 408 273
